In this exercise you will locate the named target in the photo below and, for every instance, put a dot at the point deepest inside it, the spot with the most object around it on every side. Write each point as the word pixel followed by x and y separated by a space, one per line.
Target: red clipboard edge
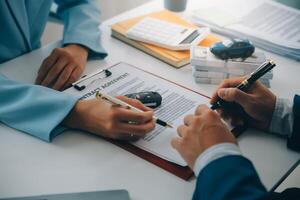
pixel 182 172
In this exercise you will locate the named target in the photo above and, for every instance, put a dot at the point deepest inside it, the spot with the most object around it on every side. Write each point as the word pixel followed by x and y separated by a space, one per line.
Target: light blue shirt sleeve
pixel 33 109
pixel 283 118
pixel 81 25
pixel 214 152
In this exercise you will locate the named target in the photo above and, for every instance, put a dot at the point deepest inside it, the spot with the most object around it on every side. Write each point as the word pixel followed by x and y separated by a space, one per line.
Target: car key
pixel 149 98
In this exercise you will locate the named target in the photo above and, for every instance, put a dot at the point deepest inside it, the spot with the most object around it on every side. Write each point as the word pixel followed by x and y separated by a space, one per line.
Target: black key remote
pixel 149 98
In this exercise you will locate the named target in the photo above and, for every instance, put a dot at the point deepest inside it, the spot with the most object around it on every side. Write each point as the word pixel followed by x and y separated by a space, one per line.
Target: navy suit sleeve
pixel 229 177
pixel 234 177
pixel 294 140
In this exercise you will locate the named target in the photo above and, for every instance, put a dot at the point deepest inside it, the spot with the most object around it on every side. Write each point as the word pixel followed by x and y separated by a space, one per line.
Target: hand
pixel 63 67
pixel 102 118
pixel 199 132
pixel 257 102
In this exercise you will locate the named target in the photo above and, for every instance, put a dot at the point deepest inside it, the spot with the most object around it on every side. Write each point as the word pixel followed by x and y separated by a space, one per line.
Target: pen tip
pixel 169 125
pixel 272 62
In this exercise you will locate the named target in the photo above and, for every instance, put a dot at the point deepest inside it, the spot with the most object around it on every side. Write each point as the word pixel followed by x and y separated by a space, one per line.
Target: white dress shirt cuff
pixel 283 117
pixel 214 152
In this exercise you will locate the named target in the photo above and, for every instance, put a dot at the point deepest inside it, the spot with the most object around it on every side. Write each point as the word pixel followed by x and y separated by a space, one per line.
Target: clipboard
pixel 182 172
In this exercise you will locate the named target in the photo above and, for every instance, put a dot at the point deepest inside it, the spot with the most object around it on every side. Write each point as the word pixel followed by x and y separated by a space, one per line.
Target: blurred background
pixel 109 8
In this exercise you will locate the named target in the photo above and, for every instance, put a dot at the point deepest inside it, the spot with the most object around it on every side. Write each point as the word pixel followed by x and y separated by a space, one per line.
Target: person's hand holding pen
pixel 235 99
pixel 102 118
pixel 257 102
pixel 205 129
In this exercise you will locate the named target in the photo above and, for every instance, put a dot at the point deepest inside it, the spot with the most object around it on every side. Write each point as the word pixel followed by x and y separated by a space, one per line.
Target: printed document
pixel 176 104
pixel 269 25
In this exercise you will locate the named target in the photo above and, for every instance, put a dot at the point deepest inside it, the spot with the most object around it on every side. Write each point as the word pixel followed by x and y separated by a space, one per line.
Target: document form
pixel 268 24
pixel 272 21
pixel 176 104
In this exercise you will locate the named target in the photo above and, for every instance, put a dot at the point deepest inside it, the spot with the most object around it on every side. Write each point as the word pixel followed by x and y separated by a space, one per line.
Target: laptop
pixel 96 195
pixel 290 3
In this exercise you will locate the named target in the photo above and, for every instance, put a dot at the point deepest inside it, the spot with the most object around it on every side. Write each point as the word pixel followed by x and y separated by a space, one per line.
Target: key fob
pixel 149 99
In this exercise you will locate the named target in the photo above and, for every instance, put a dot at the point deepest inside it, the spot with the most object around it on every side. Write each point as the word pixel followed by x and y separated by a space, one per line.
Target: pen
pixel 244 85
pixel 128 106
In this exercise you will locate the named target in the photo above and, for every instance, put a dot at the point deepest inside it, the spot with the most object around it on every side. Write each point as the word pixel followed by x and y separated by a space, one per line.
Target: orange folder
pixel 175 58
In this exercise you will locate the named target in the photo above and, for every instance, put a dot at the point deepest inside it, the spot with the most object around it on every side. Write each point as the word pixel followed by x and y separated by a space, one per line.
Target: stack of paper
pixel 209 69
pixel 269 25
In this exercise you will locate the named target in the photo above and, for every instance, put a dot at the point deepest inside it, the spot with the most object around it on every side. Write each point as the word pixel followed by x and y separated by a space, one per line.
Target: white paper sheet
pixel 268 24
pixel 177 103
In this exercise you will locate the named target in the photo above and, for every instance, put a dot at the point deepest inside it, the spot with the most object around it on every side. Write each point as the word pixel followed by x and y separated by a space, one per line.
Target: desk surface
pixel 77 162
pixel 291 181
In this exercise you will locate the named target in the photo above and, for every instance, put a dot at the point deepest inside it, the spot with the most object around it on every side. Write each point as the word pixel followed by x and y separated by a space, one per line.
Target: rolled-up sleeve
pixel 81 25
pixel 283 118
pixel 33 109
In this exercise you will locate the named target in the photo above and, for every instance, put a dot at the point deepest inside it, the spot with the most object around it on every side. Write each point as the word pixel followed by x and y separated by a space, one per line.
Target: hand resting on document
pixel 199 132
pixel 102 118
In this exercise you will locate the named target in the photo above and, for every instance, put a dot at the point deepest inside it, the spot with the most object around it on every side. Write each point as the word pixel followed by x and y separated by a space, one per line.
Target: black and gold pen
pixel 244 85
pixel 113 100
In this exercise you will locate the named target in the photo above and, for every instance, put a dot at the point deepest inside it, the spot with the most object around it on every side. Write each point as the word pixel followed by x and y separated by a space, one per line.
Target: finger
pixel 63 77
pixel 232 82
pixel 201 109
pixel 45 67
pixel 176 143
pixel 234 95
pixel 42 71
pixel 54 71
pixel 128 115
pixel 182 130
pixel 227 83
pixel 214 97
pixel 76 73
pixel 187 120
pixel 138 129
pixel 134 102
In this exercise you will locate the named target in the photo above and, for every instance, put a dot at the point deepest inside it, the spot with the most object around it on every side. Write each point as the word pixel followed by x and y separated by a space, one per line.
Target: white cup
pixel 175 5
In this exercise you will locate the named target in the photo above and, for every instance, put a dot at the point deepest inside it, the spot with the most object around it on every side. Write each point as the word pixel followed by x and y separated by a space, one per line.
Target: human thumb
pixel 234 95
